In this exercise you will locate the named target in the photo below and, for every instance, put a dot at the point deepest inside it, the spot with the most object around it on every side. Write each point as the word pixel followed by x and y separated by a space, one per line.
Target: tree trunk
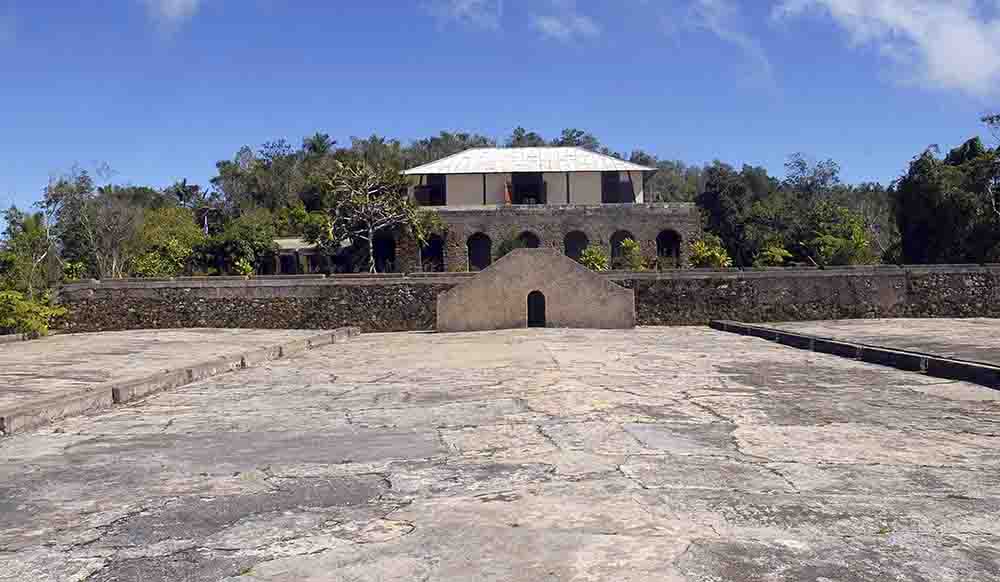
pixel 371 249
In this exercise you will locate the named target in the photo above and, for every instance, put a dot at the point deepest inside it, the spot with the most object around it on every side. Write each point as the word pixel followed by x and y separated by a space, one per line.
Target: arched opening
pixel 616 247
pixel 536 309
pixel 432 255
pixel 574 244
pixel 530 240
pixel 384 249
pixel 668 249
pixel 480 251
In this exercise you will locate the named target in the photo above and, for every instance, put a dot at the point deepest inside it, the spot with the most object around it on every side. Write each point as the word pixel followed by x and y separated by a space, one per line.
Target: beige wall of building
pixel 556 187
pixel 496 185
pixel 585 188
pixel 465 189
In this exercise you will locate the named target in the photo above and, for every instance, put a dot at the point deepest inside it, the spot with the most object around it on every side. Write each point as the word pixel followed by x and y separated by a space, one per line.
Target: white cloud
pixel 949 44
pixel 478 13
pixel 171 14
pixel 565 23
pixel 723 18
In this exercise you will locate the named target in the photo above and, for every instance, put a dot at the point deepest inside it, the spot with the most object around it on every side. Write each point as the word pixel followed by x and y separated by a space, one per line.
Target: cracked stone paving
pixel 677 454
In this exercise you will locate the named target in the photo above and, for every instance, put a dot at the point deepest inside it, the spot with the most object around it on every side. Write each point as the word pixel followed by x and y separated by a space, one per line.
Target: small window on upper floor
pixel 433 191
pixel 616 188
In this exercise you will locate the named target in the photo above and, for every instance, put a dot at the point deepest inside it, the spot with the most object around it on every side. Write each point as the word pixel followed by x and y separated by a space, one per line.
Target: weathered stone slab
pixel 674 454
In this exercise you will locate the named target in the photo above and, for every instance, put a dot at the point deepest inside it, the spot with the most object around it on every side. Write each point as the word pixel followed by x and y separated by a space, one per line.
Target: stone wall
pixel 566 294
pixel 400 303
pixel 551 223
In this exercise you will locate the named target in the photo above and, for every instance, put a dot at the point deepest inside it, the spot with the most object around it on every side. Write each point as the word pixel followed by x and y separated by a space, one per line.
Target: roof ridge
pixel 440 166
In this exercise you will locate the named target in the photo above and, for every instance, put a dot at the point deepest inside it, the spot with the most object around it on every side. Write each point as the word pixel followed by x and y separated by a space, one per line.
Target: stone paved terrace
pixel 63 364
pixel 975 340
pixel 676 454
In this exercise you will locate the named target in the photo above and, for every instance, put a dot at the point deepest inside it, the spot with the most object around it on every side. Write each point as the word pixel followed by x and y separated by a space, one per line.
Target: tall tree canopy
pixel 946 208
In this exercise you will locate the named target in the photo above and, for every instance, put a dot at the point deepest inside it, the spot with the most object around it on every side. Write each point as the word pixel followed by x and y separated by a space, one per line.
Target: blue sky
pixel 162 89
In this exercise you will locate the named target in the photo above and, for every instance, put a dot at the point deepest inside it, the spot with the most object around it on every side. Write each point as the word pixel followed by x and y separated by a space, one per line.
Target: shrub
pixel 244 267
pixel 631 259
pixel 74 270
pixel 708 252
pixel 594 258
pixel 169 260
pixel 511 243
pixel 31 318
pixel 772 255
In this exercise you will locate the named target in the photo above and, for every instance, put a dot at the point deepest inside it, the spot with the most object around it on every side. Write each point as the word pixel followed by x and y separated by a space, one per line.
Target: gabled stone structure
pixel 537 288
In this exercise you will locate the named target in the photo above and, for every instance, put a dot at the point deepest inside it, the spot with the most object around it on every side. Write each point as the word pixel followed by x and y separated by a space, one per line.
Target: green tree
pixel 245 240
pixel 65 200
pixel 727 206
pixel 168 240
pixel 944 208
pixel 444 144
pixel 363 202
pixel 379 151
pixel 28 254
pixel 838 237
pixel 572 137
pixel 522 138
pixel 318 144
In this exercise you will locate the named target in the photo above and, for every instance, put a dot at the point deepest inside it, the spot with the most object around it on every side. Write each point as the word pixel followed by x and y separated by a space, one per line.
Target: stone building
pixel 563 198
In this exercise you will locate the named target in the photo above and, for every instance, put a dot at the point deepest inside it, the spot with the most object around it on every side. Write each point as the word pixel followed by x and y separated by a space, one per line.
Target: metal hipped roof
pixel 508 160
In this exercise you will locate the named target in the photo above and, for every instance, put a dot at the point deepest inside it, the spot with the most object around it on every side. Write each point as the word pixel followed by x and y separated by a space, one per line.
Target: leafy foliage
pixel 247 240
pixel 946 209
pixel 510 243
pixel 631 258
pixel 365 201
pixel 169 238
pixel 708 252
pixel 28 254
pixel 595 258
pixel 839 237
pixel 772 255
pixel 23 315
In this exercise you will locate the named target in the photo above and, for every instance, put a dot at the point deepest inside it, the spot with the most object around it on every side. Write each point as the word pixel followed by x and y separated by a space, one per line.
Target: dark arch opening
pixel 480 251
pixel 574 244
pixel 668 249
pixel 432 255
pixel 536 309
pixel 384 249
pixel 530 240
pixel 616 247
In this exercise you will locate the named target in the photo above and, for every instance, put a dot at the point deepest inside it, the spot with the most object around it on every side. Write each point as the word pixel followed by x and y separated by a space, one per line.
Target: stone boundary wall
pixel 379 303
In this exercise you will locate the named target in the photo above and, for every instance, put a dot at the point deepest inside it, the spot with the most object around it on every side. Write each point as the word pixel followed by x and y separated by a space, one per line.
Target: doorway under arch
pixel 530 240
pixel 536 309
pixel 575 243
pixel 617 253
pixel 432 255
pixel 668 249
pixel 480 251
pixel 384 249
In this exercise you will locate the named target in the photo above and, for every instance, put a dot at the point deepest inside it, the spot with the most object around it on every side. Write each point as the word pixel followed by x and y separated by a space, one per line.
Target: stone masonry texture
pixel 551 224
pixel 408 303
pixel 574 296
